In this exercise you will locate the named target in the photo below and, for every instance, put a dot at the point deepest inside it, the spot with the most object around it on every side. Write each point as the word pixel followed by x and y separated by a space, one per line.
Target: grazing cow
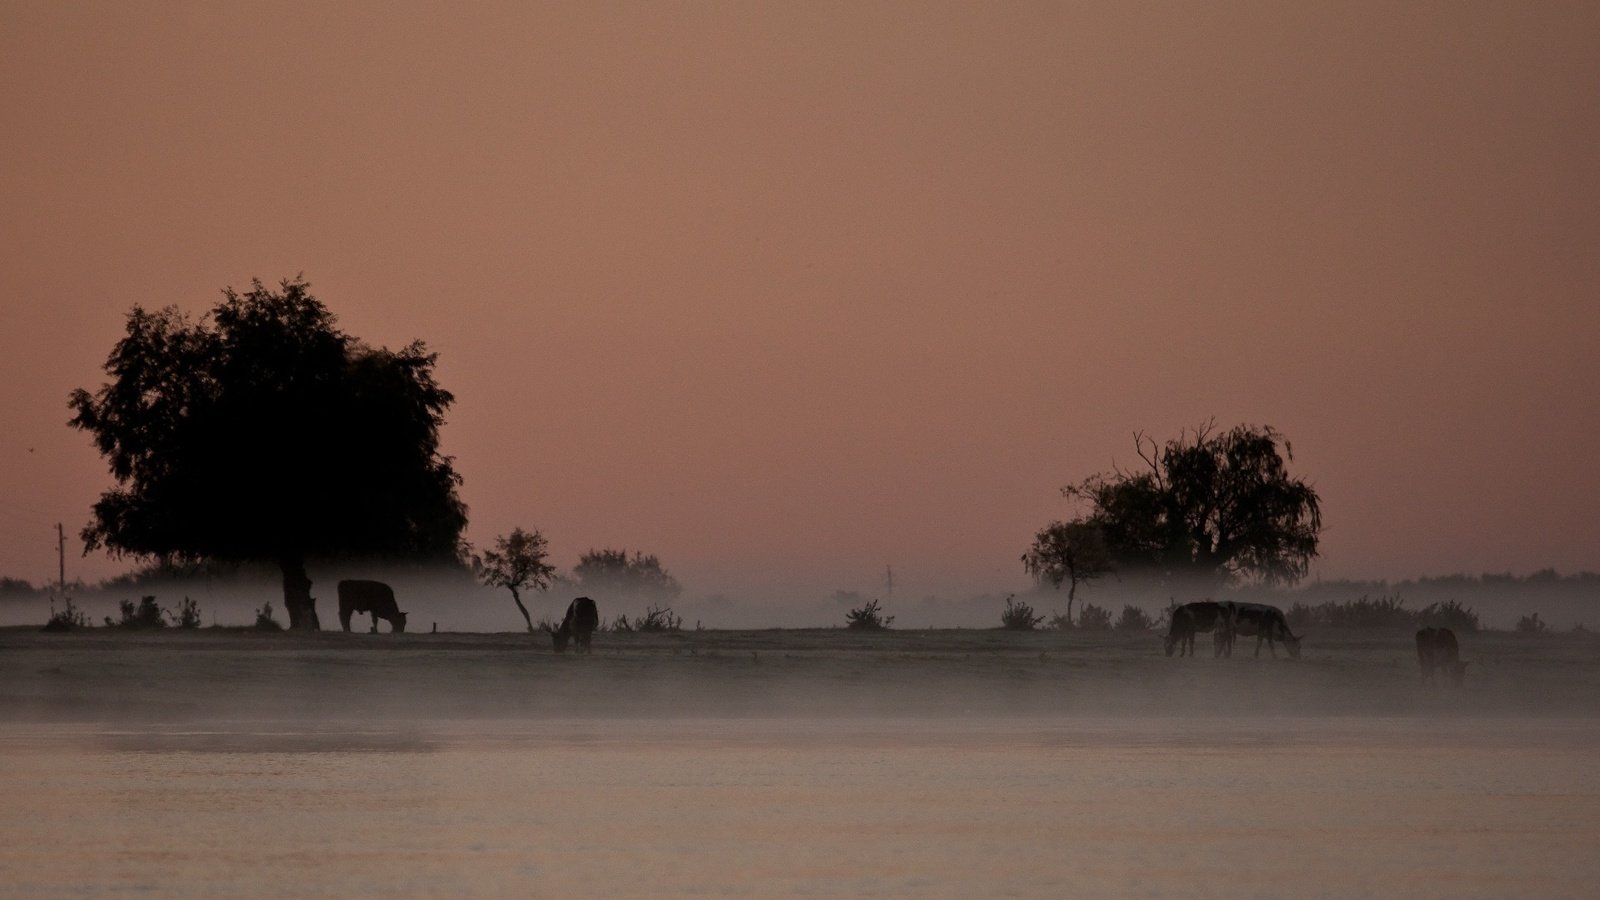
pixel 373 597
pixel 1194 617
pixel 1267 623
pixel 581 621
pixel 1437 650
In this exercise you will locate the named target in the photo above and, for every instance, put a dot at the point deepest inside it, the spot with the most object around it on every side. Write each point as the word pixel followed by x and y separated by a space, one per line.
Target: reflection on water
pixel 1062 807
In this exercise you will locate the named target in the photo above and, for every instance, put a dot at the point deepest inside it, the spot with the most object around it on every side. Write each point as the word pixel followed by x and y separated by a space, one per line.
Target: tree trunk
pixel 518 601
pixel 297 599
pixel 1072 589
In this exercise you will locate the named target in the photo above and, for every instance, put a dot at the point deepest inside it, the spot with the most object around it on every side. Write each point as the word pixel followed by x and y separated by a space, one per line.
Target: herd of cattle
pixel 1437 650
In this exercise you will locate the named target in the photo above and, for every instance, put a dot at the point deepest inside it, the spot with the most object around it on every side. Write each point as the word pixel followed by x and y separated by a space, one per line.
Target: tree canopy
pixel 1219 506
pixel 615 572
pixel 262 432
pixel 517 563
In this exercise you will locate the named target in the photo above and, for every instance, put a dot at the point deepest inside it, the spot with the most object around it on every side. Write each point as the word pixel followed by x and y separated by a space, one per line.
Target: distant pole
pixel 61 558
pixel 888 581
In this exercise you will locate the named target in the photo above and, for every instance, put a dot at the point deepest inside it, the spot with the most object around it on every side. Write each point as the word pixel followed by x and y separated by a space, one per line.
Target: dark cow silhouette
pixel 1266 623
pixel 1194 617
pixel 369 597
pixel 581 621
pixel 1438 651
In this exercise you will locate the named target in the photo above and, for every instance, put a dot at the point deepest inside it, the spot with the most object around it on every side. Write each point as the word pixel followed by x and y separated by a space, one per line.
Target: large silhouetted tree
pixel 262 432
pixel 1214 505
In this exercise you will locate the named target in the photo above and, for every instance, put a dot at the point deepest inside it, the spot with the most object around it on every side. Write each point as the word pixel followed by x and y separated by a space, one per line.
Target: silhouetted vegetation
pixel 516 563
pixel 1018 616
pixel 614 573
pixel 1094 618
pixel 1382 612
pixel 262 432
pixel 1134 619
pixel 16 587
pixel 868 618
pixel 68 618
pixel 1074 552
pixel 187 615
pixel 265 620
pixel 1531 624
pixel 145 614
pixel 1219 507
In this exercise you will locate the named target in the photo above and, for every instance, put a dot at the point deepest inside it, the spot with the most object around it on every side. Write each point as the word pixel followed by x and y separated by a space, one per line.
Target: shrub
pixel 1532 624
pixel 66 619
pixel 658 618
pixel 146 615
pixel 1300 616
pixel 265 621
pixel 868 618
pixel 188 615
pixel 1059 622
pixel 1094 618
pixel 1449 614
pixel 620 623
pixel 1019 616
pixel 1134 619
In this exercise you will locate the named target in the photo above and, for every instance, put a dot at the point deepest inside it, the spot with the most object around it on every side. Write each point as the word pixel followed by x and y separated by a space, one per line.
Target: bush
pixel 1134 619
pixel 67 618
pixel 188 615
pixel 1059 622
pixel 265 621
pixel 658 619
pixel 1094 618
pixel 620 623
pixel 867 618
pixel 146 615
pixel 1532 624
pixel 1019 616
pixel 1449 614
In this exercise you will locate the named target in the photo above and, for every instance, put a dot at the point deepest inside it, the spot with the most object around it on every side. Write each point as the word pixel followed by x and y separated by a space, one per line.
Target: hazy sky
pixel 789 292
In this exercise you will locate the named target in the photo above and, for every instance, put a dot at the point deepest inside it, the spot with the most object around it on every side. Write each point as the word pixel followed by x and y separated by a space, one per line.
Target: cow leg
pixel 374 622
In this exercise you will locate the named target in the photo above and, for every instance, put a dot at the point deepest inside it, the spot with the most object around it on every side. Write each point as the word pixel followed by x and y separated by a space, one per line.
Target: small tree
pixel 517 563
pixel 1074 552
pixel 1019 616
pixel 867 618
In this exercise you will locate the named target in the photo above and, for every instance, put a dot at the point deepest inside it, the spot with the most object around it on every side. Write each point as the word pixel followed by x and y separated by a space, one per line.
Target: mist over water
pixel 1081 807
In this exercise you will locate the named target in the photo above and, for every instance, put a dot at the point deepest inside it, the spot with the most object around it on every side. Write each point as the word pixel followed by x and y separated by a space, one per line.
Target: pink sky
pixel 789 292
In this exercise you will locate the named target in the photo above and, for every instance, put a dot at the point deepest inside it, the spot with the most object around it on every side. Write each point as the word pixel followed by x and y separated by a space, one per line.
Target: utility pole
pixel 61 558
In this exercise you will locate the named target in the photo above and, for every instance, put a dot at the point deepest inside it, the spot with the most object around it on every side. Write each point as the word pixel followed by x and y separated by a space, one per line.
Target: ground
pixel 113 676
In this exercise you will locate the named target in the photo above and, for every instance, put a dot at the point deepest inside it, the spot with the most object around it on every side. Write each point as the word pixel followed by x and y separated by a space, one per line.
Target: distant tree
pixel 517 563
pixel 16 587
pixel 1219 506
pixel 614 572
pixel 261 432
pixel 1074 552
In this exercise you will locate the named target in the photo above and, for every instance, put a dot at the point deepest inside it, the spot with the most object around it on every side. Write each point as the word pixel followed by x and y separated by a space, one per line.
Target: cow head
pixel 398 622
pixel 1292 644
pixel 559 637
